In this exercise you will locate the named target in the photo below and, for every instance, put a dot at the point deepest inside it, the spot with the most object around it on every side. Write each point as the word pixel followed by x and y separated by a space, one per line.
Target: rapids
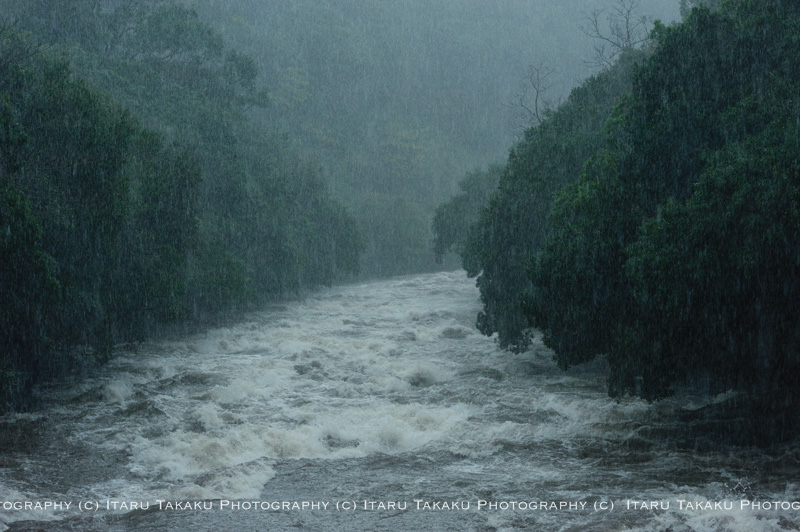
pixel 384 397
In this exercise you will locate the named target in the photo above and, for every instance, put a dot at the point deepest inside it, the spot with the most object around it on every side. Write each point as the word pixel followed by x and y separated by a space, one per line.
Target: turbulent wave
pixel 381 391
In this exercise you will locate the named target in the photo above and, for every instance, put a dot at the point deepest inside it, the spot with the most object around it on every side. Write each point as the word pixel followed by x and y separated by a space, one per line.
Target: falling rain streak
pixel 186 185
pixel 384 395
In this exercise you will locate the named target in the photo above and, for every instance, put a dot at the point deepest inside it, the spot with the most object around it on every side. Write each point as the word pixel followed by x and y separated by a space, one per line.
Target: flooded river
pixel 374 406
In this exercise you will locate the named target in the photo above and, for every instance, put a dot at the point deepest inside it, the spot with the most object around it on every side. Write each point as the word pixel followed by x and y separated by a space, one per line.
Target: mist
pixel 397 101
pixel 399 265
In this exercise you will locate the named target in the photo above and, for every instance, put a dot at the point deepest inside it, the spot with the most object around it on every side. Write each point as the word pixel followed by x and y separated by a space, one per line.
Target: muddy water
pixel 375 406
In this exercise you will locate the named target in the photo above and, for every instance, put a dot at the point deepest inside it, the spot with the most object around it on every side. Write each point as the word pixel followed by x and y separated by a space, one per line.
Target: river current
pixel 374 406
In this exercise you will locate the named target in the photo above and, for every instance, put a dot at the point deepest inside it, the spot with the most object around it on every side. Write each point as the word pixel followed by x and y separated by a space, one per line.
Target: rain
pixel 399 265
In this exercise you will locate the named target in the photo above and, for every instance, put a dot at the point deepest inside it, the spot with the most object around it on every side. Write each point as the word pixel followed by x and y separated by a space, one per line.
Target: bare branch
pixel 531 106
pixel 626 31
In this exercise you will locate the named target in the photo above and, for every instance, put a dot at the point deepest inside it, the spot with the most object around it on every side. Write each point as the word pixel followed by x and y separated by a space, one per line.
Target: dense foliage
pixel 98 218
pixel 673 246
pixel 499 248
pixel 263 208
pixel 399 99
pixel 453 220
pixel 141 194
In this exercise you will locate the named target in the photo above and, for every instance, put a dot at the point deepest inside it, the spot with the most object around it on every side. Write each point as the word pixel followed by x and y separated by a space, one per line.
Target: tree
pixel 28 293
pixel 98 217
pixel 531 105
pixel 688 5
pixel 513 227
pixel 626 31
pixel 673 254
pixel 453 220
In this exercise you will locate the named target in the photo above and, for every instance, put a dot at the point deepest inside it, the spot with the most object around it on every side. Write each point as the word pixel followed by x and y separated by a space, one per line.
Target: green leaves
pixel 28 292
pixel 674 250
pixel 112 229
pixel 453 220
pixel 680 257
pixel 720 270
pixel 504 245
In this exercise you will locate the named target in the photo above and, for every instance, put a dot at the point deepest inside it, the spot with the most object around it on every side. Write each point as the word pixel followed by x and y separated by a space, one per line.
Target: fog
pixel 401 264
pixel 391 103
pixel 398 100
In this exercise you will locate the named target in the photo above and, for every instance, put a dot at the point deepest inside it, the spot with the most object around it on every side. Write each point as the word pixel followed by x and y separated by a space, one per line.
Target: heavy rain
pixel 329 265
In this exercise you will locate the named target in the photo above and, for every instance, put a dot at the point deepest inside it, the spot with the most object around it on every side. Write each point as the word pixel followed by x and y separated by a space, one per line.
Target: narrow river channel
pixel 374 406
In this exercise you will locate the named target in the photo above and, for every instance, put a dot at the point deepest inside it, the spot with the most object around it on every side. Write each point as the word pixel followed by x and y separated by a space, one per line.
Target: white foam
pixel 360 371
pixel 118 391
pixel 12 496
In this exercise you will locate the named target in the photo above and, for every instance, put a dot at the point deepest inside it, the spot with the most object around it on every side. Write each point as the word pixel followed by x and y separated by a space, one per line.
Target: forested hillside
pixel 136 190
pixel 169 160
pixel 398 100
pixel 658 223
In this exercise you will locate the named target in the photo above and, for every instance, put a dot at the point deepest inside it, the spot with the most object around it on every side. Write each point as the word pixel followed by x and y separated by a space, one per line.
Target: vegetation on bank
pixel 136 192
pixel 654 218
pixel 398 99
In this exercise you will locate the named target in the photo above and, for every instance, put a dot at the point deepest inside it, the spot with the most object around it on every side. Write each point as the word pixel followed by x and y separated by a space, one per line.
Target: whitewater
pixel 374 406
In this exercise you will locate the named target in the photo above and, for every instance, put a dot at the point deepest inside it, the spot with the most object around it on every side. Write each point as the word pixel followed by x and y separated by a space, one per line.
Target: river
pixel 374 406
